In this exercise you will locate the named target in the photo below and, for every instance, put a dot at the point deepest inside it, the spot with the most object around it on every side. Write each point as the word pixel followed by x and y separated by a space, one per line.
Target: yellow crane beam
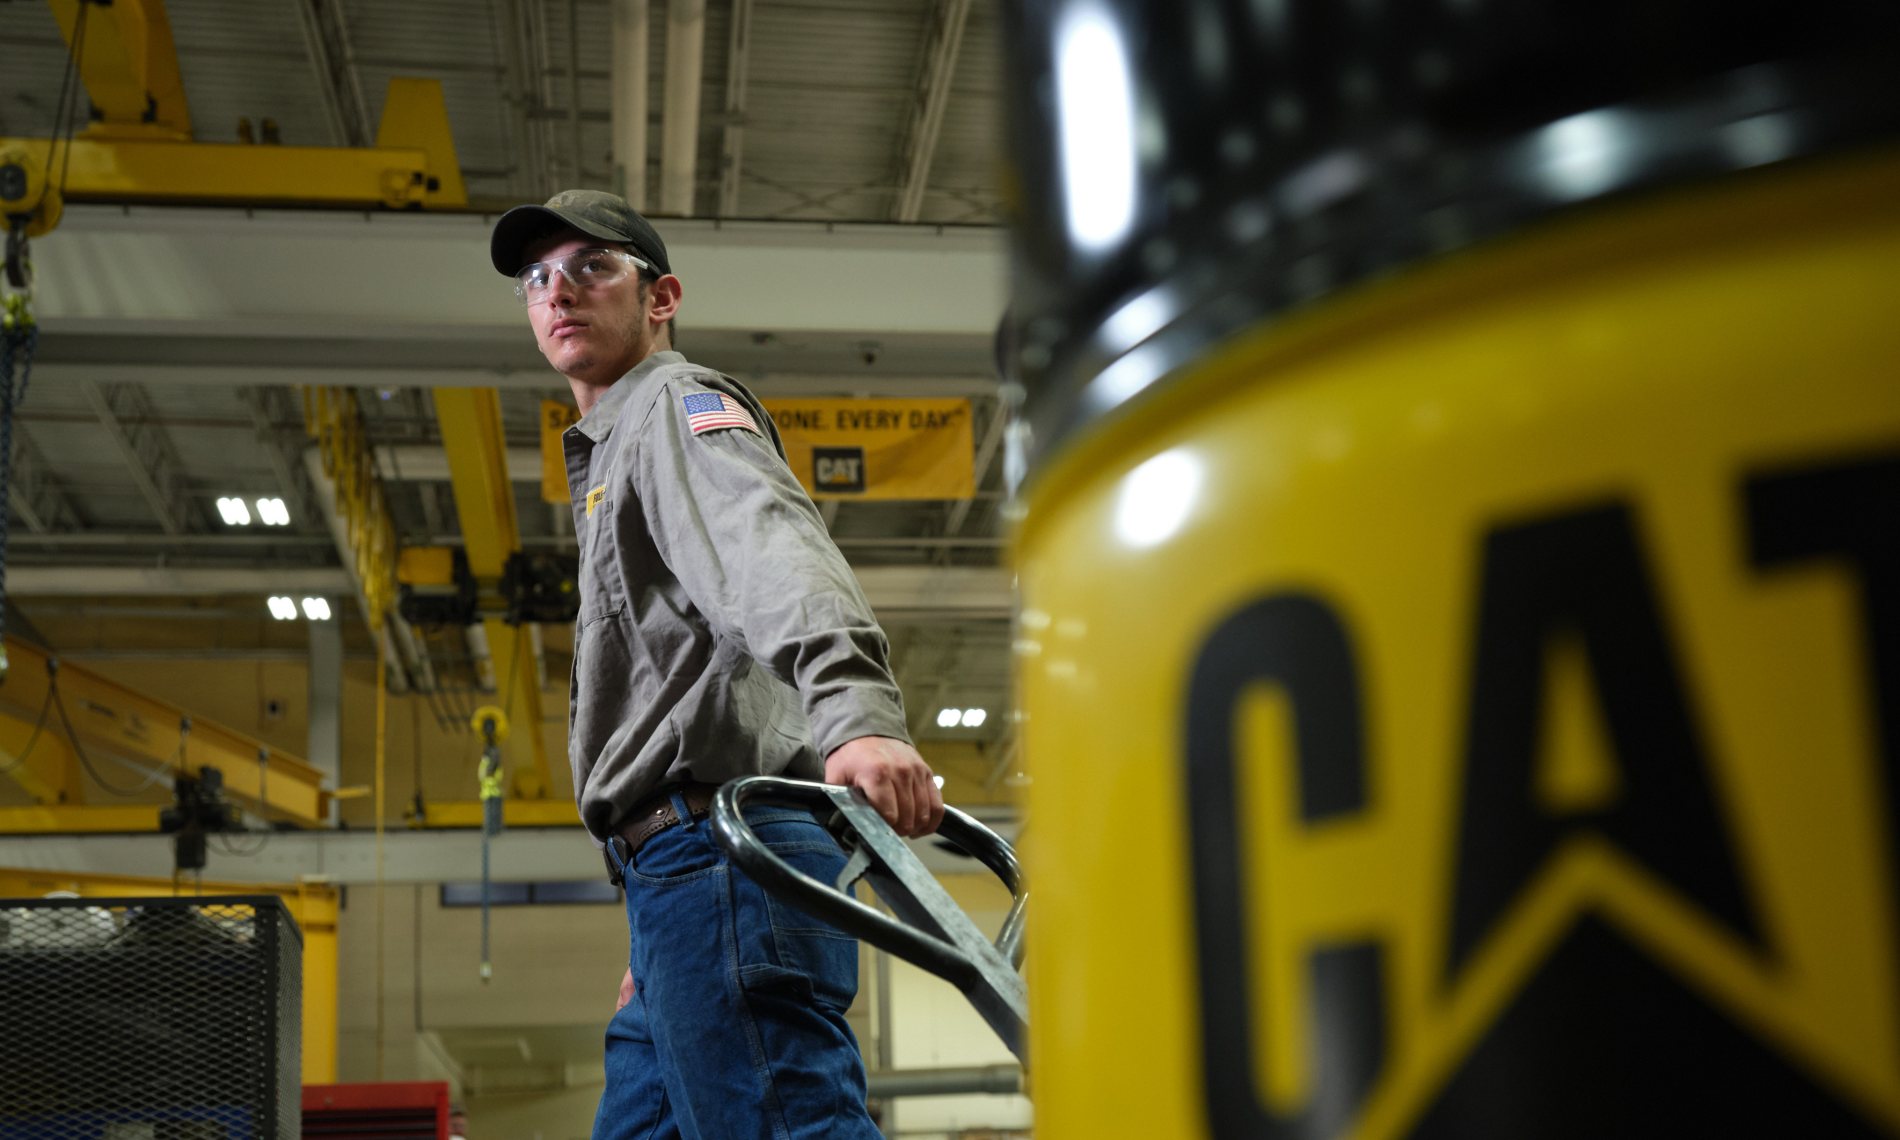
pixel 112 719
pixel 129 66
pixel 472 435
pixel 180 173
pixel 141 148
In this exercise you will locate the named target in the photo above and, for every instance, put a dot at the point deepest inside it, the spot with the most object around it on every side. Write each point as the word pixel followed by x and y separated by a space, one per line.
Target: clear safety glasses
pixel 585 269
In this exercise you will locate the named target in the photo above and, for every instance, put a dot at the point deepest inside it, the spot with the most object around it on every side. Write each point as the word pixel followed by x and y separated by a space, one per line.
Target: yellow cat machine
pixel 1460 565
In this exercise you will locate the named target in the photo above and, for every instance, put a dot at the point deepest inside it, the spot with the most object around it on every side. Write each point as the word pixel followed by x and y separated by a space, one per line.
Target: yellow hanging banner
pixel 879 449
pixel 556 418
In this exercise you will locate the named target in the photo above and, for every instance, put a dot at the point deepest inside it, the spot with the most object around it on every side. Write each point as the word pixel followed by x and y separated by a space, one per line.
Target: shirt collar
pixel 598 424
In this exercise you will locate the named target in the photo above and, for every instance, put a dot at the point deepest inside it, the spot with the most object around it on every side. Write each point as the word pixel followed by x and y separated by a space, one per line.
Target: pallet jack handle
pixel 929 931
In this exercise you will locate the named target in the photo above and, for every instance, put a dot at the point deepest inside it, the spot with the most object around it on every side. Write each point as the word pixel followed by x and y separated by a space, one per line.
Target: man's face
pixel 458 1124
pixel 583 330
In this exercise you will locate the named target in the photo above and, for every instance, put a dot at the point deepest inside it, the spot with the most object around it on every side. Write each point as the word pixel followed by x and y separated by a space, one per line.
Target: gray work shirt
pixel 721 633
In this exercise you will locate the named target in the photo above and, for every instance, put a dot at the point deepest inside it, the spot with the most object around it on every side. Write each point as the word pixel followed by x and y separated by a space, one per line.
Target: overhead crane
pixel 142 146
pixel 110 720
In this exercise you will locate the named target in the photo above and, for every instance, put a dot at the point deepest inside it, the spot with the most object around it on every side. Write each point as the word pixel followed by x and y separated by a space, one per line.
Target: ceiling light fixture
pixel 272 512
pixel 948 718
pixel 234 512
pixel 316 609
pixel 974 718
pixel 283 609
pixel 1095 105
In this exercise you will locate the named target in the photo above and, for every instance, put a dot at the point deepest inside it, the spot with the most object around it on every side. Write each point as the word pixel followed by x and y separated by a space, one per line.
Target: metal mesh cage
pixel 150 1019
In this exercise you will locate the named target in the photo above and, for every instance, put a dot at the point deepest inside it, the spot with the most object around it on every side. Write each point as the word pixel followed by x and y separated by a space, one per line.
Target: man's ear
pixel 664 299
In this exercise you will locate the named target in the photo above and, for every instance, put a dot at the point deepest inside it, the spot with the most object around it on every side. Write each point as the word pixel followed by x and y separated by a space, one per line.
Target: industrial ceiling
pixel 149 407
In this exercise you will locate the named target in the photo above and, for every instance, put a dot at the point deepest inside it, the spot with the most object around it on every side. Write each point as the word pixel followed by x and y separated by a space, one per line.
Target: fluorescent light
pixel 937 780
pixel 1096 106
pixel 283 609
pixel 1156 498
pixel 234 512
pixel 974 718
pixel 948 718
pixel 316 609
pixel 272 512
pixel 1584 155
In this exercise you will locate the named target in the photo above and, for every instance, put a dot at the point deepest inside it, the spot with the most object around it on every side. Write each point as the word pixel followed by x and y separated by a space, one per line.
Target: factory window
pixel 531 894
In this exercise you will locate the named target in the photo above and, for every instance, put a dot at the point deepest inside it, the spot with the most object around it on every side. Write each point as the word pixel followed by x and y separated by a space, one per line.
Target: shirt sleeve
pixel 750 549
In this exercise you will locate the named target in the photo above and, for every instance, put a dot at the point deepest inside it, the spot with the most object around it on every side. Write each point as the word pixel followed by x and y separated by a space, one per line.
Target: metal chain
pixel 18 340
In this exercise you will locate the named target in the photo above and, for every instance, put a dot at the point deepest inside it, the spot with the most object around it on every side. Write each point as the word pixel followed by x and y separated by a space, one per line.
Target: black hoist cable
pixel 19 337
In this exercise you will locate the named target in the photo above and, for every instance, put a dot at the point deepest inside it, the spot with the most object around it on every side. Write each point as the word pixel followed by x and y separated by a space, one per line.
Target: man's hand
pixel 894 778
pixel 626 990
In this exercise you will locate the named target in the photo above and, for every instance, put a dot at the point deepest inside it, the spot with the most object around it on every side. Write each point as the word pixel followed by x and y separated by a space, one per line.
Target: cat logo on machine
pixel 839 470
pixel 1602 933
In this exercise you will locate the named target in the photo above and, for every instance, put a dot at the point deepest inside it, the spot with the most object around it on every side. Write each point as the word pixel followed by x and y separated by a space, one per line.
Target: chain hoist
pixel 492 723
pixel 29 206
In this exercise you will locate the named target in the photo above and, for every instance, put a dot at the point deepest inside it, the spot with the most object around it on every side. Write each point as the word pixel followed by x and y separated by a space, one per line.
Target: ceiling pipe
pixel 629 83
pixel 997 1080
pixel 679 120
pixel 732 148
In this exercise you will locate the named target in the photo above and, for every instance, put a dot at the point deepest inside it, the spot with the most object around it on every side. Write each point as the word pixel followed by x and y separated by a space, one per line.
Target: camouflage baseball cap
pixel 595 213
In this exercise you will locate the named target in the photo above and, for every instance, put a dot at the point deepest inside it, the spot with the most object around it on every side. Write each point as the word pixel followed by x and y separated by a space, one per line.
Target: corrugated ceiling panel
pixel 830 85
pixel 453 41
pixel 35 59
pixel 247 60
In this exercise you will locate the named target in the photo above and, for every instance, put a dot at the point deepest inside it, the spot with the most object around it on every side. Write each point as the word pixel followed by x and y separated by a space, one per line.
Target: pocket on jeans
pixel 676 855
pixel 811 952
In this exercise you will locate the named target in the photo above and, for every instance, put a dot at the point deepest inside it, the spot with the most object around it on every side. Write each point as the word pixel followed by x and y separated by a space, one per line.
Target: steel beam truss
pixel 35 493
pixel 264 406
pixel 944 40
pixel 126 412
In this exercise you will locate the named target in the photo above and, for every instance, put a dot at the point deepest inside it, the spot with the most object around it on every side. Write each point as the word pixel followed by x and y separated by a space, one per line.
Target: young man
pixel 720 635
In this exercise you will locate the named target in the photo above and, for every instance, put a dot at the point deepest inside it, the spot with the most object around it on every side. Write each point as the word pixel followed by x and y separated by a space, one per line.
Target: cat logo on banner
pixel 556 417
pixel 879 449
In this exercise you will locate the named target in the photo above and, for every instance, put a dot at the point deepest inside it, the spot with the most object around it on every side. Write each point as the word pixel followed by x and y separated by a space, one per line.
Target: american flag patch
pixel 710 411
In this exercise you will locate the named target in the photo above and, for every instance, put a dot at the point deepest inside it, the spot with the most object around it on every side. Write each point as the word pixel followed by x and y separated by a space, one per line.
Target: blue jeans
pixel 736 1028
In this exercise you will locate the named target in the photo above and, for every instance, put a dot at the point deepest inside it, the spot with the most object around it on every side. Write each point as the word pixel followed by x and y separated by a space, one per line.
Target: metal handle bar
pixel 930 930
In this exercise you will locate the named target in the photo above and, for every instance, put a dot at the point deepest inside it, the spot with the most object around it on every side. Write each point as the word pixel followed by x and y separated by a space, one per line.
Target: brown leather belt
pixel 653 815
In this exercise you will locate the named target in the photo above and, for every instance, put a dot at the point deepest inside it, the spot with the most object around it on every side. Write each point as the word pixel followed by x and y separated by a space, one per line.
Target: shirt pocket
pixel 603 593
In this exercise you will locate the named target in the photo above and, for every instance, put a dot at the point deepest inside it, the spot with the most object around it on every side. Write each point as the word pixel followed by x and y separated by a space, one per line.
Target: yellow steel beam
pixel 42 763
pixel 136 170
pixel 416 118
pixel 141 151
pixel 129 67
pixel 472 435
pixel 65 820
pixel 113 718
pixel 312 905
pixel 515 813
